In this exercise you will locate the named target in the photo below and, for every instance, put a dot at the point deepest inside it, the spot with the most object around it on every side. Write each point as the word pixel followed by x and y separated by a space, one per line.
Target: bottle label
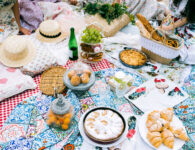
pixel 70 53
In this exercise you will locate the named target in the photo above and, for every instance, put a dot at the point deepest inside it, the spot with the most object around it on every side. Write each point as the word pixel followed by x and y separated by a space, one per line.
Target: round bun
pixel 87 71
pixel 71 73
pixel 75 80
pixel 85 78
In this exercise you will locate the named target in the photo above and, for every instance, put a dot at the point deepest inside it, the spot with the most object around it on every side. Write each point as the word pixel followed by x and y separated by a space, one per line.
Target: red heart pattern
pixel 11 69
pixel 3 80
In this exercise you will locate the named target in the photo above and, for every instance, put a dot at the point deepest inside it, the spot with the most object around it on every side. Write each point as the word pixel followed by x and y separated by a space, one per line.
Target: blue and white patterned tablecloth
pixel 26 128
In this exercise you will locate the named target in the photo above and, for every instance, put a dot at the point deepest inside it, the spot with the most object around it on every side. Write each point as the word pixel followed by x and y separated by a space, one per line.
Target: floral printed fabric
pixel 8 25
pixel 26 127
pixel 187 32
pixel 31 14
pixel 33 112
pixel 64 14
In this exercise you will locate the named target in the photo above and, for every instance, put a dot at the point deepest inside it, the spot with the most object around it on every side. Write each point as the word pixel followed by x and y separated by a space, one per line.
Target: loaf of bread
pixel 149 28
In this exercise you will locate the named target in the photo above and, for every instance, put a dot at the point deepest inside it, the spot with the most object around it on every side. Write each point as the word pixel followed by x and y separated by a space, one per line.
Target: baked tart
pixel 103 125
pixel 132 58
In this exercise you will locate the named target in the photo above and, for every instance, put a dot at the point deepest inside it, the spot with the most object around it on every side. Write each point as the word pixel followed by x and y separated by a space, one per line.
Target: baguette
pixel 149 28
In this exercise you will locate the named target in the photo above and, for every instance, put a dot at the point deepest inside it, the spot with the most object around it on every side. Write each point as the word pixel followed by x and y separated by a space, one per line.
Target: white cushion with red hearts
pixel 13 82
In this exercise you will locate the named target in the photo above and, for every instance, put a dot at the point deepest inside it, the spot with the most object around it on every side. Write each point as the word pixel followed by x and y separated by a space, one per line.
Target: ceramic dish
pixel 91 48
pixel 91 59
pixel 92 142
pixel 105 141
pixel 132 66
pixel 143 132
pixel 80 87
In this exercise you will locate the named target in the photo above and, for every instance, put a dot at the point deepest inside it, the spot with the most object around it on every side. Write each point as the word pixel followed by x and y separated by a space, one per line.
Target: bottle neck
pixel 72 32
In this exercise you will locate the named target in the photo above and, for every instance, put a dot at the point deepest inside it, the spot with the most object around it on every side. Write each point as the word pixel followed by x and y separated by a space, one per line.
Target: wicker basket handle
pixel 160 29
pixel 164 37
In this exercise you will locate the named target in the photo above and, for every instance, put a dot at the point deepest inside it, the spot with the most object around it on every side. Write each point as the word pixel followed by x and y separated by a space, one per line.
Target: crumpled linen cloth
pixel 64 14
pixel 188 55
pixel 129 36
pixel 149 8
pixel 30 13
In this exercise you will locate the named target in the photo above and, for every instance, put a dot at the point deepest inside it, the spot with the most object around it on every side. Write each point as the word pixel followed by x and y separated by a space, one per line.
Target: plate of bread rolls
pixel 162 130
pixel 80 77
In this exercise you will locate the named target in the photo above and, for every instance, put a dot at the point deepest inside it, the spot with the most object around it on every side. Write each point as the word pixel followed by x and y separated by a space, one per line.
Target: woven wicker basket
pixel 111 29
pixel 159 51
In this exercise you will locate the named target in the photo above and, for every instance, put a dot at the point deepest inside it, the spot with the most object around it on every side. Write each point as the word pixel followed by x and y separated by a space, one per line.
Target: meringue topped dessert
pixel 104 125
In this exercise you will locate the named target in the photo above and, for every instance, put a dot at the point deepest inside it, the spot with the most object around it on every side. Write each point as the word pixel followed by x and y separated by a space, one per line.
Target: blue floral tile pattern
pixel 62 133
pixel 19 144
pixel 43 105
pixel 20 114
pixel 46 139
pixel 28 118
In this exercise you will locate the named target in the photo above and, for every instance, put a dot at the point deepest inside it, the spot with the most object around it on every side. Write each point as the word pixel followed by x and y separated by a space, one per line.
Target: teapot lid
pixel 60 105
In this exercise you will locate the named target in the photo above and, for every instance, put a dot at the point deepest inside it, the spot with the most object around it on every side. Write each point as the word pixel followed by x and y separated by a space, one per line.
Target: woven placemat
pixel 52 78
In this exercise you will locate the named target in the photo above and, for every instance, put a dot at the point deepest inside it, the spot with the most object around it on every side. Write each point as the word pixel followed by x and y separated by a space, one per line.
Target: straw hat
pixel 50 31
pixel 16 51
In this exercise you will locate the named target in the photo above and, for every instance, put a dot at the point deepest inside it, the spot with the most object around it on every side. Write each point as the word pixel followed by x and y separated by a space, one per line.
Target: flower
pixel 163 80
pixel 139 90
pixel 130 133
pixel 69 147
pixel 176 89
pixel 154 67
pixel 11 132
pixel 156 80
pixel 143 89
pixel 85 106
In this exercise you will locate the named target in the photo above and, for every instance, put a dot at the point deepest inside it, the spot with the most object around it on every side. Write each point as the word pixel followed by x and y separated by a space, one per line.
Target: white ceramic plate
pixel 143 132
pixel 89 141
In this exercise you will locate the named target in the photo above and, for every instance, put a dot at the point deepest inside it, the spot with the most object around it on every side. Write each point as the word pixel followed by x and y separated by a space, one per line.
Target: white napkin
pixel 131 40
pixel 188 55
pixel 154 98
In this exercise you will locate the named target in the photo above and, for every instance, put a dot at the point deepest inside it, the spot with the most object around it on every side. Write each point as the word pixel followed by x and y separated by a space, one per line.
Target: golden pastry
pixel 75 80
pixel 132 57
pixel 154 126
pixel 142 29
pixel 165 124
pixel 154 138
pixel 149 27
pixel 179 133
pixel 168 138
pixel 154 115
pixel 71 73
pixel 167 114
pixel 85 78
pixel 87 71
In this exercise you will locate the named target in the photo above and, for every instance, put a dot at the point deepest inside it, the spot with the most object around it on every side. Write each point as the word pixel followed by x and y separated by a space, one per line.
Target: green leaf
pixel 106 11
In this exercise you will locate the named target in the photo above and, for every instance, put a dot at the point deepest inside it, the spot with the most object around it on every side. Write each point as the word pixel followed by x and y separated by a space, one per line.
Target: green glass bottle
pixel 73 47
